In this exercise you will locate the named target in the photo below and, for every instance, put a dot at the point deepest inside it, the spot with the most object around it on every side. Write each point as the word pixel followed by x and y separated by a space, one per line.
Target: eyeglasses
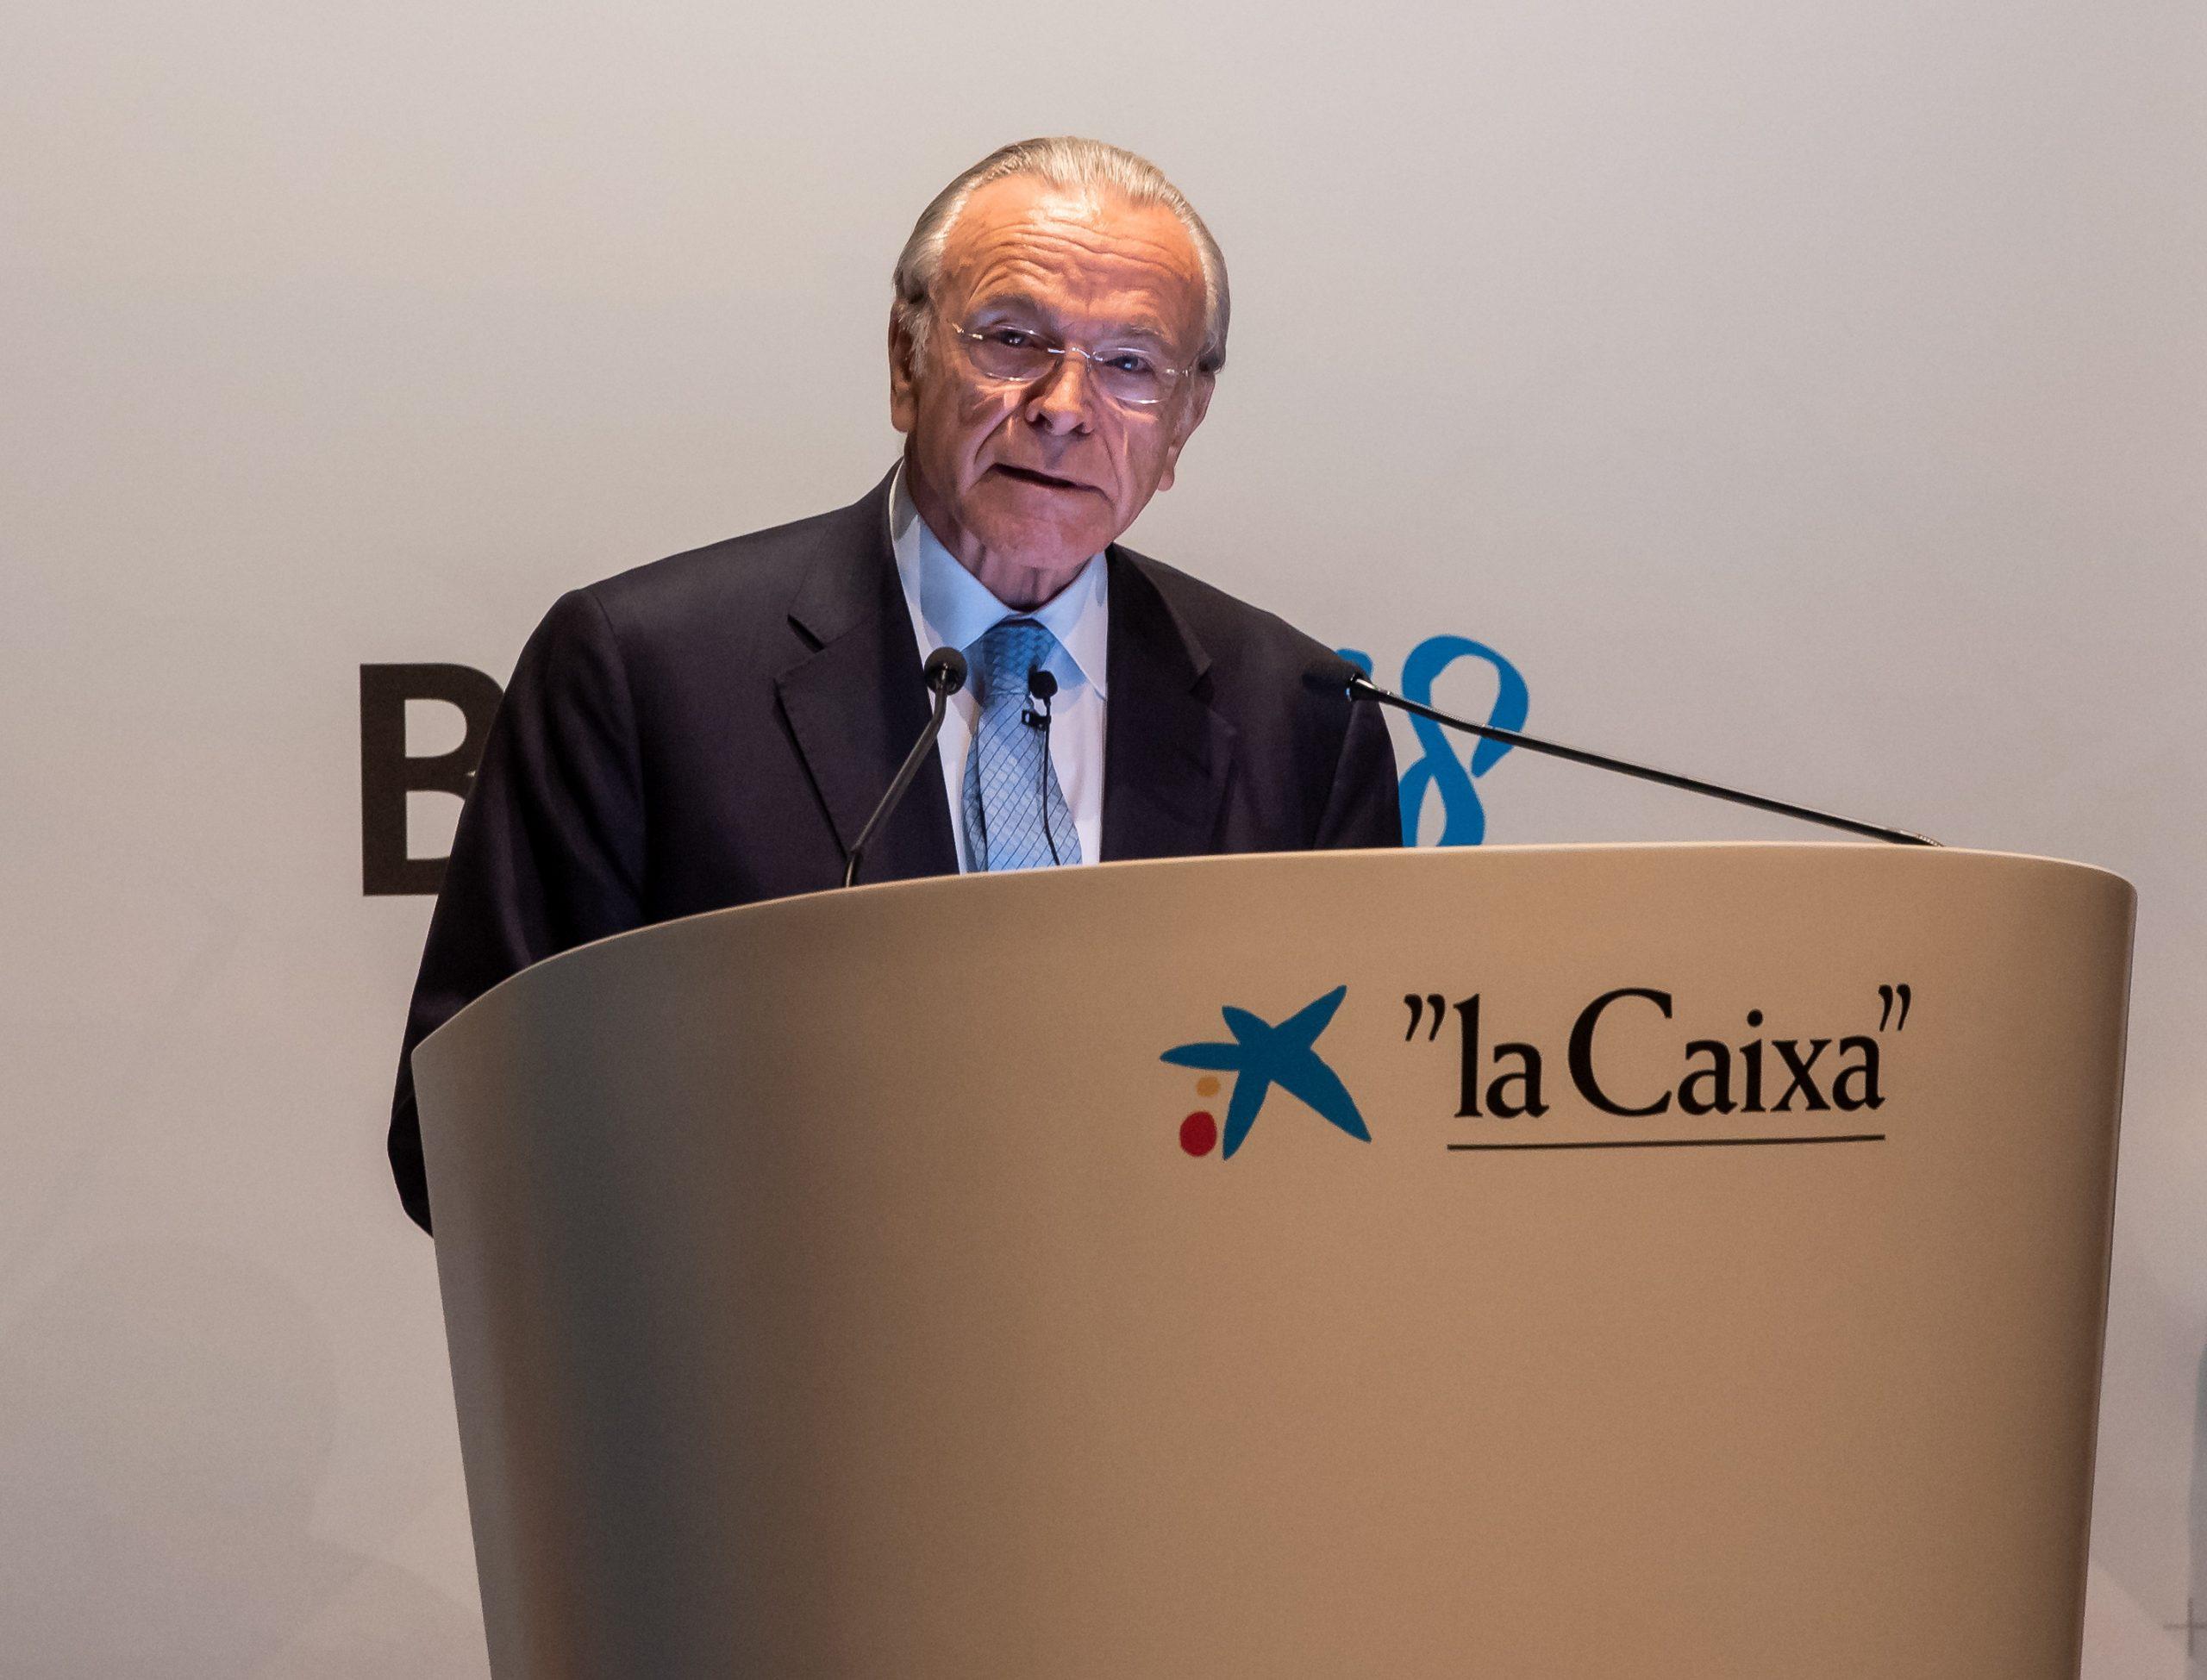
pixel 1016 355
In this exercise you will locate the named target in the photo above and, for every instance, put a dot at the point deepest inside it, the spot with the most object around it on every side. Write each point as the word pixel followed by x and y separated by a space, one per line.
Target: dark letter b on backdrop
pixel 387 775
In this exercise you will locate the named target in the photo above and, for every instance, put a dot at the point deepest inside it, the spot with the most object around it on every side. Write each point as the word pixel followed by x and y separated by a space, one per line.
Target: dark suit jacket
pixel 715 729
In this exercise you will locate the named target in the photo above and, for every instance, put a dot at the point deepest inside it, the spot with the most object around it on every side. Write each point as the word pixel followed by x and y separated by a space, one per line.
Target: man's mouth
pixel 1028 475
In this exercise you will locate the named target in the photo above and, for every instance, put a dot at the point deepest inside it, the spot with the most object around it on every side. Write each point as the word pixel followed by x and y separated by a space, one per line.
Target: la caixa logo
pixel 1710 1091
pixel 1259 1056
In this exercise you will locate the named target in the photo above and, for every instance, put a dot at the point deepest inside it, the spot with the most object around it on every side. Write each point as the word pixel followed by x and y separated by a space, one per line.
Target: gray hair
pixel 1072 165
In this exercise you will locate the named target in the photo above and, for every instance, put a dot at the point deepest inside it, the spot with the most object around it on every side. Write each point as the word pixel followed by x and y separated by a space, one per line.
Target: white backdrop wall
pixel 1810 396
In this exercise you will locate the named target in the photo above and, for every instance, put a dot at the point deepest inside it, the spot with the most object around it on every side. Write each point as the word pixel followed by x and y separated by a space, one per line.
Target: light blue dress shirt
pixel 952 608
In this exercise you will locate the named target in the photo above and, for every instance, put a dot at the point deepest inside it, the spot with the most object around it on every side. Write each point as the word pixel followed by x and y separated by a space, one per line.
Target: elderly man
pixel 716 728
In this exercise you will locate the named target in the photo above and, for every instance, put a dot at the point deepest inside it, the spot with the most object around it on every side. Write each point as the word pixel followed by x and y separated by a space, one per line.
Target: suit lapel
pixel 1166 754
pixel 855 702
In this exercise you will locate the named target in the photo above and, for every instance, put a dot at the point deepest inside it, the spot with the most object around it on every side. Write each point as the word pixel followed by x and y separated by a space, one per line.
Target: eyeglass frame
pixel 1172 374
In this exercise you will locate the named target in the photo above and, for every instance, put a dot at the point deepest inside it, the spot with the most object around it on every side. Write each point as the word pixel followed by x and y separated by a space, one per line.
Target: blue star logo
pixel 1260 1056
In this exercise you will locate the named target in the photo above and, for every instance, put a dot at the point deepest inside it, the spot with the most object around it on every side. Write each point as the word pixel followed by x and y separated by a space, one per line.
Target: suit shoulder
pixel 761 571
pixel 1228 629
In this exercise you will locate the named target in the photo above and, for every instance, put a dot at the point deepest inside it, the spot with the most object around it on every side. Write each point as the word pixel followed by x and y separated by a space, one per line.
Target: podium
pixel 1544 1262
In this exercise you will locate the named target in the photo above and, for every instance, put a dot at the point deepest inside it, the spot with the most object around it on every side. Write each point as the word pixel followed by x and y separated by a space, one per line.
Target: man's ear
pixel 1185 428
pixel 903 393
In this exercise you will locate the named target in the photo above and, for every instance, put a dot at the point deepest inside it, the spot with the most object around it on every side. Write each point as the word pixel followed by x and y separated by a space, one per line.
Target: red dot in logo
pixel 1199 1134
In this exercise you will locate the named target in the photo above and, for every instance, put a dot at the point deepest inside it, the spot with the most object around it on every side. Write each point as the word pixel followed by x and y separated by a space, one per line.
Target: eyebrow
pixel 1145 327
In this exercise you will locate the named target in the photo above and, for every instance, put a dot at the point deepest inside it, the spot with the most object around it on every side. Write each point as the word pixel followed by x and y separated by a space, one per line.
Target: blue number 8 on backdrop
pixel 1463 819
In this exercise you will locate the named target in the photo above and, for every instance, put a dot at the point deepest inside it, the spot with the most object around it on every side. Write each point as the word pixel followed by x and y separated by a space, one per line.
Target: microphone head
pixel 944 671
pixel 1040 683
pixel 1333 675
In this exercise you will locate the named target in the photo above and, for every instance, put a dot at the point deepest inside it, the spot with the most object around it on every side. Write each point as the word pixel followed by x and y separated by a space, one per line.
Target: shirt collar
pixel 958 608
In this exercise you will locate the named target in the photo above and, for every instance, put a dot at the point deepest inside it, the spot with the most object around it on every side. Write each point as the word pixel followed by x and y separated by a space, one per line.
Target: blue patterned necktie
pixel 1012 787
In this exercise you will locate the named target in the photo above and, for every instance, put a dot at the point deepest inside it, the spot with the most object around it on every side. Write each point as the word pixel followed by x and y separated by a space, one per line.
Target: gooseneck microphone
pixel 1042 687
pixel 1341 674
pixel 944 674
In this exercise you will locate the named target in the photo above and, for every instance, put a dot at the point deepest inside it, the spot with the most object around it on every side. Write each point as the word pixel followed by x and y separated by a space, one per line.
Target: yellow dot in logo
pixel 1207 1086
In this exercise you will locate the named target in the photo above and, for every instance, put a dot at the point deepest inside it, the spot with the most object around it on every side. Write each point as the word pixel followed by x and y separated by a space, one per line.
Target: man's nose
pixel 1065 399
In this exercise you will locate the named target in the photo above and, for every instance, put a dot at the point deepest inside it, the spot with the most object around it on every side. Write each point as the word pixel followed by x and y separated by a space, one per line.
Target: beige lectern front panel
pixel 1672 1261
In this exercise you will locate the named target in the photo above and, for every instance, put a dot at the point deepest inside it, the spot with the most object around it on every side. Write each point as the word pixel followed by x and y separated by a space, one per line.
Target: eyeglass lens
pixel 1125 374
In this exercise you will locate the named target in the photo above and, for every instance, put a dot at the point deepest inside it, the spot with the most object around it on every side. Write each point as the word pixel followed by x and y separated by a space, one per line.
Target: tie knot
pixel 1006 653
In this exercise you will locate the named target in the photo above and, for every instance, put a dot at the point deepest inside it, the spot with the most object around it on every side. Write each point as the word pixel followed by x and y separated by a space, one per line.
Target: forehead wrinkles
pixel 1051 250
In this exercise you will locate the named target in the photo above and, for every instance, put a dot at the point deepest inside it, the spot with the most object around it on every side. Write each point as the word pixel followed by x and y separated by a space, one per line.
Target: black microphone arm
pixel 1345 675
pixel 945 672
